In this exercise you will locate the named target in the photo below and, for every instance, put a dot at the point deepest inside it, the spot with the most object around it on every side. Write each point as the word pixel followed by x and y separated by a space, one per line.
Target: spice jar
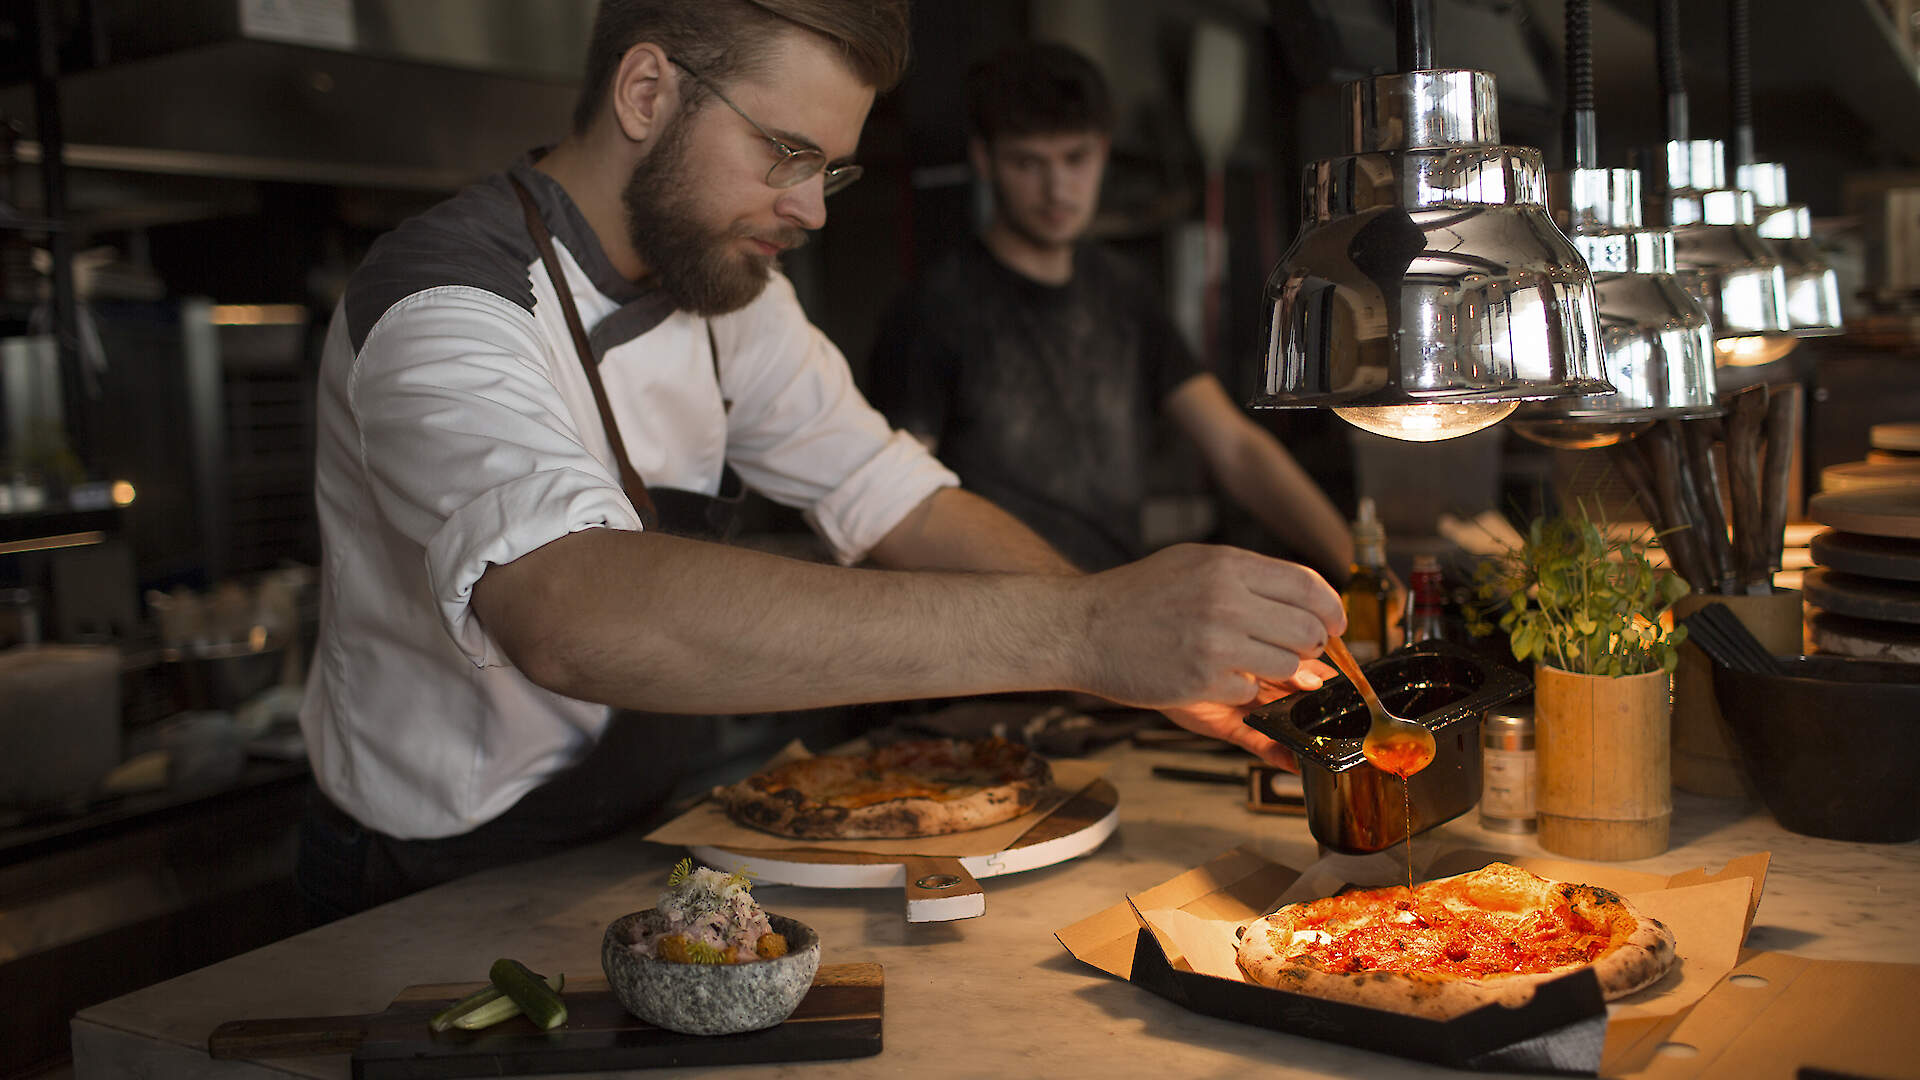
pixel 1507 768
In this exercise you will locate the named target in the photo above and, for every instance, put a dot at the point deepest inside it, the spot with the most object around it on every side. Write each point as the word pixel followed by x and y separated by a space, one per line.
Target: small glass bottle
pixel 1372 595
pixel 1426 601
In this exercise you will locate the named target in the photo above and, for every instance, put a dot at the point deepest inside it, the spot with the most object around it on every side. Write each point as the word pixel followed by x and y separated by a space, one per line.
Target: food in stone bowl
pixel 706 960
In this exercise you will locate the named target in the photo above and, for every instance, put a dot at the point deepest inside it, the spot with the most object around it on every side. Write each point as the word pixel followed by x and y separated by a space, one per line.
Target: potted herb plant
pixel 1586 609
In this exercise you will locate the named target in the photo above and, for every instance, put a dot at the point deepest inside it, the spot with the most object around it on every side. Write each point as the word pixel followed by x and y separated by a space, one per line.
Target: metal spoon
pixel 1393 745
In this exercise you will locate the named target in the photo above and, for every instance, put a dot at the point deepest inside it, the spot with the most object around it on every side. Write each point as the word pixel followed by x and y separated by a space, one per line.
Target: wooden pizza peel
pixel 938 888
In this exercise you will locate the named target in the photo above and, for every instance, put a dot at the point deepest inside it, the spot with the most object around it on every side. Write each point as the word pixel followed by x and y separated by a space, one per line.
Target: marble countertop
pixel 993 996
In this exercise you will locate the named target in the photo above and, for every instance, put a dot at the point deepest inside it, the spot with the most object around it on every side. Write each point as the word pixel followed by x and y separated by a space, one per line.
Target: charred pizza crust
pixel 1551 927
pixel 925 787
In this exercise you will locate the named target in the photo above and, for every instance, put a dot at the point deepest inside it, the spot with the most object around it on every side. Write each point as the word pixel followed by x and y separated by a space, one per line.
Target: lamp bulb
pixel 1427 423
pixel 1752 350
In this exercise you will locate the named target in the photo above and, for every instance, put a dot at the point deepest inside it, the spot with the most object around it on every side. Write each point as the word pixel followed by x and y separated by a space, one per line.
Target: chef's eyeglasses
pixel 797 165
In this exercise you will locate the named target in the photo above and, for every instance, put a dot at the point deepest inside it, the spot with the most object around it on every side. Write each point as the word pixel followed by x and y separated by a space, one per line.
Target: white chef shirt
pixel 457 431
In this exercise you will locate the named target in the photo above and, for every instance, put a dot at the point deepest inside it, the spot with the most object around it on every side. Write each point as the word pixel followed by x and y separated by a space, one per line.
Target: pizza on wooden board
pixel 1450 946
pixel 922 787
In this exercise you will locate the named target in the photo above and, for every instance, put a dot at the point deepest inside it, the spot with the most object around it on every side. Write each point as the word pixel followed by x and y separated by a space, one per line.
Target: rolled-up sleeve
pixel 801 433
pixel 470 450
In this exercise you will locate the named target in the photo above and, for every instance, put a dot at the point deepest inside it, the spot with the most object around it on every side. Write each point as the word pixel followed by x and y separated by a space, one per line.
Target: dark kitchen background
pixel 186 185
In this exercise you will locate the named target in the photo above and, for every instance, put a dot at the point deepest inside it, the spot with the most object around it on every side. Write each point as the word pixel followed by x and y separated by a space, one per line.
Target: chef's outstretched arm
pixel 660 623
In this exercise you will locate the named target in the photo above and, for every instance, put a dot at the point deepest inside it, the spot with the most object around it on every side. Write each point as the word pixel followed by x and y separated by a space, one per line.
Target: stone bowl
pixel 708 999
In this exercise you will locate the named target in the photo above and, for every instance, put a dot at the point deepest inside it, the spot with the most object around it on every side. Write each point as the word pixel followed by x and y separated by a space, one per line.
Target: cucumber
pixel 501 1008
pixel 540 1002
pixel 483 1008
pixel 446 1017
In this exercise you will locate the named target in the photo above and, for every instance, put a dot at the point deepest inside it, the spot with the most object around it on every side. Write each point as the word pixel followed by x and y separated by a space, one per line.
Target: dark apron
pixel 626 780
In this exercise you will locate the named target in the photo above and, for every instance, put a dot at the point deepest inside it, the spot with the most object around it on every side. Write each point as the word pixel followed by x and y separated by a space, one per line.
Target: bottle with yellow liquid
pixel 1373 597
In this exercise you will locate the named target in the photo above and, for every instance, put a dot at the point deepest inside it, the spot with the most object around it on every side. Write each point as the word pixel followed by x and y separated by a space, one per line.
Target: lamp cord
pixel 1740 66
pixel 1667 41
pixel 1583 150
pixel 1413 29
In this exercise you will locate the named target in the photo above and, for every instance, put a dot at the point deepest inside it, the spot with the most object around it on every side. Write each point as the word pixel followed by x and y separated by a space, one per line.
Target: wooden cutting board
pixel 1862 597
pixel 839 1018
pixel 1880 557
pixel 1891 511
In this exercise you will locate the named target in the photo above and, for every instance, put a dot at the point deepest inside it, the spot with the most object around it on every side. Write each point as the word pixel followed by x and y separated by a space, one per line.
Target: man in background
pixel 1036 363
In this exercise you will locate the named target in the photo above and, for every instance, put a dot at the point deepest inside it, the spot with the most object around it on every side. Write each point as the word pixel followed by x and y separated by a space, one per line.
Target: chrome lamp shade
pixel 1721 258
pixel 1813 288
pixel 1428 292
pixel 1657 340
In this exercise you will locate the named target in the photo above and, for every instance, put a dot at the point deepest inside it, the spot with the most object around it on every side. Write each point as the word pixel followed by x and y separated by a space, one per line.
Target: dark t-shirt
pixel 1042 398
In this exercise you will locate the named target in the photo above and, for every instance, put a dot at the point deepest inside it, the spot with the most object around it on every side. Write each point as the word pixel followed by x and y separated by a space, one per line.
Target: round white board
pixel 872 875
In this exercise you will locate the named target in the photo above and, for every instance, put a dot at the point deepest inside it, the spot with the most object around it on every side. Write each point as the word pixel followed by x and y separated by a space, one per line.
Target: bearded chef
pixel 539 401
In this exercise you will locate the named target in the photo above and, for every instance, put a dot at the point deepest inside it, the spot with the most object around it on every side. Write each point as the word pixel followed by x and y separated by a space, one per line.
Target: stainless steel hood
pixel 424 94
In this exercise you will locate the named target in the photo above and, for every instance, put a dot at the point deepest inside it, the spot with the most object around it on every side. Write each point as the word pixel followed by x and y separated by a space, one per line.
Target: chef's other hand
pixel 1208 634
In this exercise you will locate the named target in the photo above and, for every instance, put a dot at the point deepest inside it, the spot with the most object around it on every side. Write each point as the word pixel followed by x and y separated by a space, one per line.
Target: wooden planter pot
pixel 1605 780
pixel 1703 758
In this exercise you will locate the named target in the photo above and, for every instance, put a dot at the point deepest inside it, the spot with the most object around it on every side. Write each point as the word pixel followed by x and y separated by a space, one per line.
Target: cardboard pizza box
pixel 1780 1016
pixel 1175 940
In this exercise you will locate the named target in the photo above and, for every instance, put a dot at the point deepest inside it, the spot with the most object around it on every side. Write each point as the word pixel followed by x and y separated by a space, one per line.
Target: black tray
pixel 1436 684
pixel 1561 1030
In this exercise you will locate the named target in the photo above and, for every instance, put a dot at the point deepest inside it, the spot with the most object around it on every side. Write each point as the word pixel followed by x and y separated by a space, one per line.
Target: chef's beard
pixel 699 266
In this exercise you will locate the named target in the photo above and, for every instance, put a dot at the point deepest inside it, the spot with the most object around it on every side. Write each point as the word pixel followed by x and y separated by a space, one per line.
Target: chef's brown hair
pixel 725 39
pixel 1037 88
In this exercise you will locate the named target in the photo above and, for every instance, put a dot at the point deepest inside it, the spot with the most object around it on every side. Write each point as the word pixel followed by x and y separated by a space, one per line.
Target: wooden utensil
pixel 1697 438
pixel 1782 431
pixel 1746 416
pixel 1393 744
pixel 1685 548
pixel 1626 461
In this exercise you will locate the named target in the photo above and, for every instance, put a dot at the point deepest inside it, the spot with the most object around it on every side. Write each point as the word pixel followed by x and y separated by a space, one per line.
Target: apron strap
pixel 630 480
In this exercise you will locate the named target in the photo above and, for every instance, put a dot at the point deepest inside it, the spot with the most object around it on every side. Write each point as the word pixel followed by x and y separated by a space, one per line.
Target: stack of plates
pixel 1894 442
pixel 1860 475
pixel 1863 597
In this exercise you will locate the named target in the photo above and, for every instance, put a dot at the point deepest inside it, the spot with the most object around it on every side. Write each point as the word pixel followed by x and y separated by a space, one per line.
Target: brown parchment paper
pixel 707 824
pixel 1706 921
pixel 1194 916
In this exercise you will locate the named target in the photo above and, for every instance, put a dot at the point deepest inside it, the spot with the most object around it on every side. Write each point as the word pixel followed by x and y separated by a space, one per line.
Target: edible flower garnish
pixel 710 917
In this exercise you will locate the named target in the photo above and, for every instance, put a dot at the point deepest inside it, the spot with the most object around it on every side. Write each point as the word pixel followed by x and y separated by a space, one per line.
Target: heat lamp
pixel 1428 292
pixel 1720 257
pixel 1657 339
pixel 1812 294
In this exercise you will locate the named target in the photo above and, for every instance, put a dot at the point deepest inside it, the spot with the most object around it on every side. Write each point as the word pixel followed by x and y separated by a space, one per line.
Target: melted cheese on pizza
pixel 1441 935
pixel 910 770
pixel 870 788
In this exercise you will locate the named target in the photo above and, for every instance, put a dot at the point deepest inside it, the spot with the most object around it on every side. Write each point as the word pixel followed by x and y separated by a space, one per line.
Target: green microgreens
pixel 1573 599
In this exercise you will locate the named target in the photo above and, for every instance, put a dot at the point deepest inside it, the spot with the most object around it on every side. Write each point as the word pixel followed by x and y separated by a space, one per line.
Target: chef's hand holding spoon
pixel 1207 635
pixel 1392 744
